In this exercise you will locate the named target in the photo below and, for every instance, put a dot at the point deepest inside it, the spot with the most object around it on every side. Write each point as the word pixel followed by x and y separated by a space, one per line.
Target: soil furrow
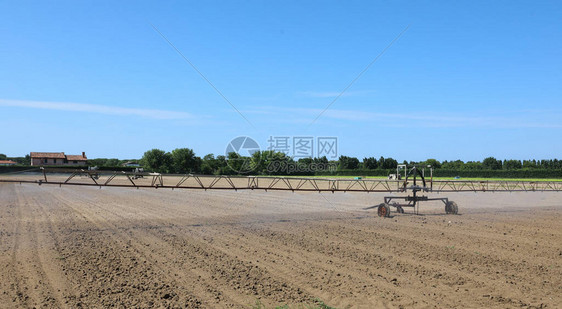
pixel 82 247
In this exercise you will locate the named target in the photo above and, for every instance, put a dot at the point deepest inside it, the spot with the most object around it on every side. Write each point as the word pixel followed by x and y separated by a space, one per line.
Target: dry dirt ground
pixel 75 247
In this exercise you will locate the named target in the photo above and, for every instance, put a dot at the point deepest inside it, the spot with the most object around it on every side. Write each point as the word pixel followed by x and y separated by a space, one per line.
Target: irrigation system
pixel 414 182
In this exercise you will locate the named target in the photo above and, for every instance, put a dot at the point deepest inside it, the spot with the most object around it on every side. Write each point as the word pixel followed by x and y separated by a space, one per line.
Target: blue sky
pixel 466 80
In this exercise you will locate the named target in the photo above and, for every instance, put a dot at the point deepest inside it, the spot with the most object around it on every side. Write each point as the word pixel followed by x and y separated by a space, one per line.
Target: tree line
pixel 19 160
pixel 184 160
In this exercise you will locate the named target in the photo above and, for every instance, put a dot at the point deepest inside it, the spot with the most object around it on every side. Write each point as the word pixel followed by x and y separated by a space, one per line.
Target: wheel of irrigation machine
pixel 451 208
pixel 399 209
pixel 384 210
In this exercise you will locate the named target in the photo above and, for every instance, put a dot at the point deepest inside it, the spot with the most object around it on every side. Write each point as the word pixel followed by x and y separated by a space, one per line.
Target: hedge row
pixel 357 172
pixel 19 168
pixel 530 173
pixel 16 168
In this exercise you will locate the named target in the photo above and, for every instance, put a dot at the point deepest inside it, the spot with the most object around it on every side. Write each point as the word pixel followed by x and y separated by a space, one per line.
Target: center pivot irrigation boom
pixel 414 181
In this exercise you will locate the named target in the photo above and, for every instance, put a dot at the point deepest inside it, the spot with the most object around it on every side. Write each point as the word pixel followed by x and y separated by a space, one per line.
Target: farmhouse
pixel 7 163
pixel 57 158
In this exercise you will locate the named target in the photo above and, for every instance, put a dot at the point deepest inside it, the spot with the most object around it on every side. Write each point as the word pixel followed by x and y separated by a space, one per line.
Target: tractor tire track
pixel 188 249
pixel 35 282
pixel 137 250
pixel 201 260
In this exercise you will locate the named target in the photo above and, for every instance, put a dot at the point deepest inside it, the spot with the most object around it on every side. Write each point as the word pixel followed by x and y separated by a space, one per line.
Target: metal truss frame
pixel 223 182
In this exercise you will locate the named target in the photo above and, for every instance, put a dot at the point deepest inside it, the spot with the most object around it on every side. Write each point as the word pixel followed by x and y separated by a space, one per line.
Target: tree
pixel 3 156
pixel 236 164
pixel 209 164
pixel 184 161
pixel 97 162
pixel 512 164
pixel 388 163
pixel 370 163
pixel 221 163
pixel 492 163
pixel 259 161
pixel 471 165
pixel 453 165
pixel 530 164
pixel 112 162
pixel 348 163
pixel 305 161
pixel 156 160
pixel 434 163
pixel 271 162
pixel 321 160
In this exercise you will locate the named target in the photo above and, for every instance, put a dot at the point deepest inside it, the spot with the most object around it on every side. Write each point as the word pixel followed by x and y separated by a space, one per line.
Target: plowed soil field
pixel 84 247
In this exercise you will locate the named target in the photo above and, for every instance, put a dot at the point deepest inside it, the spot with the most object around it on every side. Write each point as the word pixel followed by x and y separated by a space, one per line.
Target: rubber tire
pixel 451 208
pixel 455 208
pixel 384 210
pixel 399 209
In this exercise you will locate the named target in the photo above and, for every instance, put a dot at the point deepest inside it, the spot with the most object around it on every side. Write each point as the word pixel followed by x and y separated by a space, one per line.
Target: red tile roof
pixel 48 155
pixel 7 162
pixel 75 158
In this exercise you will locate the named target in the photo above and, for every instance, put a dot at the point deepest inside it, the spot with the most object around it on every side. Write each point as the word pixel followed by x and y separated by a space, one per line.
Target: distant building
pixel 7 163
pixel 130 164
pixel 57 158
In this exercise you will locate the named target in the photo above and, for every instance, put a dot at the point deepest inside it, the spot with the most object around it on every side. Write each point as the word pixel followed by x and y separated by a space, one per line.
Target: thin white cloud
pixel 417 119
pixel 98 109
pixel 329 94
